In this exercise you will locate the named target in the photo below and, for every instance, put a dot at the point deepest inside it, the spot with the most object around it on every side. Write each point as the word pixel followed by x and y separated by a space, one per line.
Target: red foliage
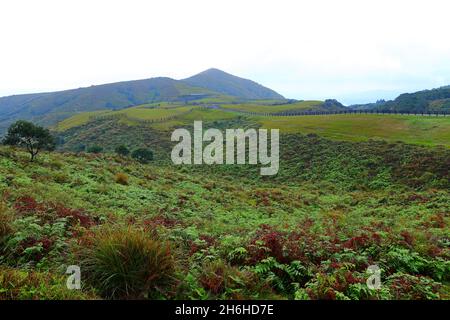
pixel 267 242
pixel 407 237
pixel 437 221
pixel 208 240
pixel 46 243
pixel 357 242
pixel 28 205
pixel 213 281
pixel 75 216
pixel 160 220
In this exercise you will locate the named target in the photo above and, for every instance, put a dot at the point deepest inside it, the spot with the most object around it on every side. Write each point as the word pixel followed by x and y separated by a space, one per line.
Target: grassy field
pixel 144 113
pixel 421 130
pixel 78 120
pixel 410 129
pixel 261 108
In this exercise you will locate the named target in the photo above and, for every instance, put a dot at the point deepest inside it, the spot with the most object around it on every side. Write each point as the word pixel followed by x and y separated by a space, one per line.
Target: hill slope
pixel 51 107
pixel 434 100
pixel 47 108
pixel 228 84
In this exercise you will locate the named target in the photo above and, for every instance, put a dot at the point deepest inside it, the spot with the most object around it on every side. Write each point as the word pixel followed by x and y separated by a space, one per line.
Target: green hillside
pixel 420 130
pixel 224 232
pixel 434 100
pixel 359 127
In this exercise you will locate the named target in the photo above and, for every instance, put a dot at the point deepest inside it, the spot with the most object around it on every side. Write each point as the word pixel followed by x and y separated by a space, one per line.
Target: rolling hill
pixel 52 107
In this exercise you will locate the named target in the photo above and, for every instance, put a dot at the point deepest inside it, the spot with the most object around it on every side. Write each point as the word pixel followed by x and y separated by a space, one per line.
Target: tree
pixel 94 149
pixel 122 150
pixel 142 155
pixel 26 134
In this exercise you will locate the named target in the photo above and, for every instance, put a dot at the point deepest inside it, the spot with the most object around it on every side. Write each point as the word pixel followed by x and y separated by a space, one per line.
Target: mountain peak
pixel 228 84
pixel 213 71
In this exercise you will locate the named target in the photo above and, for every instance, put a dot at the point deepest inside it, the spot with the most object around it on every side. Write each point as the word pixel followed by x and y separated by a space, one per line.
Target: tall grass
pixel 127 264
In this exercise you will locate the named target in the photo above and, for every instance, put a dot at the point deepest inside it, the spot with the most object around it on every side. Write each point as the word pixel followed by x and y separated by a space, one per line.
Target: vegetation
pixel 361 127
pixel 221 232
pixel 430 131
pixel 435 100
pixel 94 149
pixel 128 264
pixel 142 155
pixel 122 150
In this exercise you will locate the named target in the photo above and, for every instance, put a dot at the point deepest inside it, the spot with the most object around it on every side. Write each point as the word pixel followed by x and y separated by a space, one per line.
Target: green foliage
pixel 126 263
pixel 142 155
pixel 94 149
pixel 33 138
pixel 122 150
pixel 284 278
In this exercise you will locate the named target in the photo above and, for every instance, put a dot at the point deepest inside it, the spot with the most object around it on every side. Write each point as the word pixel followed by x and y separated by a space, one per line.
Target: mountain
pixel 227 84
pixel 434 100
pixel 51 107
pixel 47 108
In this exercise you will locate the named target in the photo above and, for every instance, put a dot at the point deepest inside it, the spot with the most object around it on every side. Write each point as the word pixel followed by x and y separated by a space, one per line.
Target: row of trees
pixel 35 138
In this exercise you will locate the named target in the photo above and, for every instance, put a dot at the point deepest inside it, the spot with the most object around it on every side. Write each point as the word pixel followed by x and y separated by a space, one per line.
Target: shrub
pixel 142 155
pixel 94 149
pixel 122 150
pixel 128 264
pixel 121 178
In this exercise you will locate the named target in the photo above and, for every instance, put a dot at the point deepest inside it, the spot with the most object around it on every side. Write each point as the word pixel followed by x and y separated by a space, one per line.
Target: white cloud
pixel 303 49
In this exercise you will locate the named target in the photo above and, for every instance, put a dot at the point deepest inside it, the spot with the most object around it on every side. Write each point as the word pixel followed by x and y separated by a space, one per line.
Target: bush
pixel 121 178
pixel 128 264
pixel 122 150
pixel 142 155
pixel 94 149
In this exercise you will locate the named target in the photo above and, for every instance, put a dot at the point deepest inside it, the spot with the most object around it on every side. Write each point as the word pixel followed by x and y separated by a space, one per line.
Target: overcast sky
pixel 355 51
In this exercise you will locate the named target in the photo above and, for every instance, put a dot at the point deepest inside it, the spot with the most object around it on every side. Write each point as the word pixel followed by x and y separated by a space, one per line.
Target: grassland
pixel 78 120
pixel 144 113
pixel 411 129
pixel 268 108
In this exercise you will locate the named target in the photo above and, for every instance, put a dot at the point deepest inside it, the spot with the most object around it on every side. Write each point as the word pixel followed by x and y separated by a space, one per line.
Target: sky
pixel 353 50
